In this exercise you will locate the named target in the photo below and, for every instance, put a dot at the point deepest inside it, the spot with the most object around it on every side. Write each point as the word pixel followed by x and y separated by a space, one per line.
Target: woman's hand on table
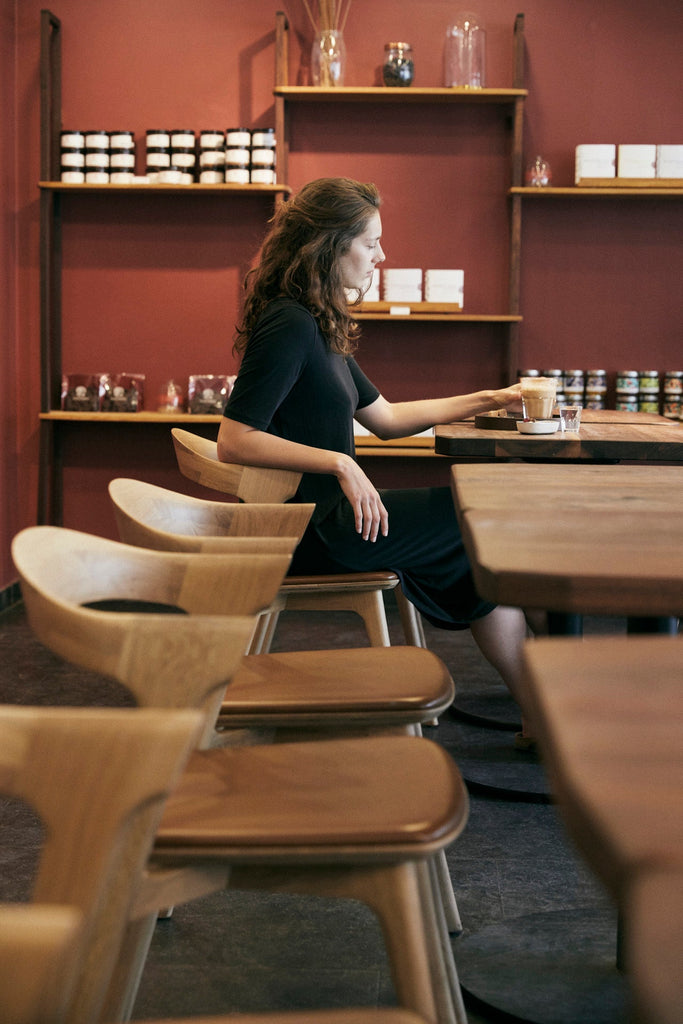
pixel 508 398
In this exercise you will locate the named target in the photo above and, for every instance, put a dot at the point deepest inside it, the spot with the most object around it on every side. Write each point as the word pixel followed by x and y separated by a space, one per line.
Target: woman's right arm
pixel 240 443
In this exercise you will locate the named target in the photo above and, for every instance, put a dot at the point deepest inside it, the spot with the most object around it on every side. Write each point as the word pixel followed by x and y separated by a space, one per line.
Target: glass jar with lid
pixel 627 382
pixel 673 382
pixel 398 68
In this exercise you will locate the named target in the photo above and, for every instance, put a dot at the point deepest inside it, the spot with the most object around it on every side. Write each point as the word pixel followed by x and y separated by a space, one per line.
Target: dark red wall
pixel 152 285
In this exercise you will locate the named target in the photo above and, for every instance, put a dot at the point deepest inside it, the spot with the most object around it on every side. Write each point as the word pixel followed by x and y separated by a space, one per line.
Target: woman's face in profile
pixel 365 252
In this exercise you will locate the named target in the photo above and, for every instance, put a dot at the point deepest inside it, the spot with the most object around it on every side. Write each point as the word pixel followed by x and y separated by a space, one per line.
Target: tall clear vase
pixel 328 59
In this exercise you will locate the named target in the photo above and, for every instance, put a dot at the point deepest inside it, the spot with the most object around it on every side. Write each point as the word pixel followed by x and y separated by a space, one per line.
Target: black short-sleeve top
pixel 290 384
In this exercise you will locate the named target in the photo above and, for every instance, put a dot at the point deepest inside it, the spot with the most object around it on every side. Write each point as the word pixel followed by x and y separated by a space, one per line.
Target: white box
pixel 444 286
pixel 402 285
pixel 635 161
pixel 372 294
pixel 669 162
pixel 595 161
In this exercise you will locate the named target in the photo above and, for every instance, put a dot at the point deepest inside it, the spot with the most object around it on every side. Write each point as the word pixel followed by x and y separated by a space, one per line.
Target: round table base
pixel 491 766
pixel 557 967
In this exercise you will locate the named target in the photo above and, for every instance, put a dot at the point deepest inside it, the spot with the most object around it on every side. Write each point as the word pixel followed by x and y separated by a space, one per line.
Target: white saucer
pixel 537 426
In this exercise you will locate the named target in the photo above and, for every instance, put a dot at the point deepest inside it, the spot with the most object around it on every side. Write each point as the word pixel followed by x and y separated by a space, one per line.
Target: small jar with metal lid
pixel 182 138
pixel 170 176
pixel 72 158
pixel 211 159
pixel 648 402
pixel 122 159
pixel 97 176
pixel 398 68
pixel 97 158
pixel 648 381
pixel 262 176
pixel 212 177
pixel 158 159
pixel 596 380
pixel 237 175
pixel 72 176
pixel 263 138
pixel 262 158
pixel 627 382
pixel 184 158
pixel 673 382
pixel 239 138
pixel 121 177
pixel 237 156
pixel 527 373
pixel 72 138
pixel 97 139
pixel 212 138
pixel 158 138
pixel 626 402
pixel 122 139
pixel 672 407
pixel 594 400
pixel 574 382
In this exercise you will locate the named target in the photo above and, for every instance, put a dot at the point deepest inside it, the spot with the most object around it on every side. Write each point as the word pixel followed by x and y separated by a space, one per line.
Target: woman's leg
pixel 500 636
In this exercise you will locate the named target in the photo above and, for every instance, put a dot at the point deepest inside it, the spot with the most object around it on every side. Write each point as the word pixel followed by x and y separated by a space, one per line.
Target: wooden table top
pixel 582 539
pixel 608 713
pixel 605 435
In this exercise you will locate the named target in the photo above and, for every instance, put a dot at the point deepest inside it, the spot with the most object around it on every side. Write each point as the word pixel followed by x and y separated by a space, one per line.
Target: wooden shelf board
pixel 382 94
pixel 603 191
pixel 60 416
pixel 500 318
pixel 60 186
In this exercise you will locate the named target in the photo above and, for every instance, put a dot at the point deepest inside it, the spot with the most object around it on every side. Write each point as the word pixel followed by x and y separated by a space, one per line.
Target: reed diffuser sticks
pixel 327 15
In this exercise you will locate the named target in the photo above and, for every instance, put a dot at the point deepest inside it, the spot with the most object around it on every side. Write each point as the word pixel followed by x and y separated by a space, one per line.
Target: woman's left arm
pixel 387 420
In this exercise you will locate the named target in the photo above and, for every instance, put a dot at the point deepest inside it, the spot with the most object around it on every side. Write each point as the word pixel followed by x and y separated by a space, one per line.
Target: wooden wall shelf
pixel 196 189
pixel 381 94
pixel 604 192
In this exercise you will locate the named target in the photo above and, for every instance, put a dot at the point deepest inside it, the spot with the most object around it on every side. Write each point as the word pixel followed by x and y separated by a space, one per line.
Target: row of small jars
pixel 645 391
pixel 238 156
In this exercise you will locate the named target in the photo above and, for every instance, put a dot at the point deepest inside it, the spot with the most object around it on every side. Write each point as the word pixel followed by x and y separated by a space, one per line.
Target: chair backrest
pixel 182 660
pixel 39 952
pixel 198 461
pixel 98 779
pixel 153 517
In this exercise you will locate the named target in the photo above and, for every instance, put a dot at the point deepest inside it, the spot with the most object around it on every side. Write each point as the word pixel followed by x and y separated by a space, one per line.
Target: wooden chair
pixel 39 953
pixel 312 690
pixel 356 818
pixel 299 694
pixel 358 592
pixel 97 779
pixel 389 1015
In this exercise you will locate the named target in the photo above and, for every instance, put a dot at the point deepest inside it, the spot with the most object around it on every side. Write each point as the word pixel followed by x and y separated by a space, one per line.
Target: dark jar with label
pixel 398 68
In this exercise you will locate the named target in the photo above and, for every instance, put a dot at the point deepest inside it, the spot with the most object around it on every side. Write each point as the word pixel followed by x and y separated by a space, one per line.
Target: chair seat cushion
pixel 408 682
pixel 398 795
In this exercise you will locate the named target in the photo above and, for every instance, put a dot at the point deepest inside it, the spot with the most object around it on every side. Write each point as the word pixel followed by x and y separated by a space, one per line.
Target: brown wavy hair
pixel 299 258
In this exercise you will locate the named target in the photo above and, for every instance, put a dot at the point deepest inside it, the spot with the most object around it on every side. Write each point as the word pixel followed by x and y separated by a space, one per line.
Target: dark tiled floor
pixel 251 952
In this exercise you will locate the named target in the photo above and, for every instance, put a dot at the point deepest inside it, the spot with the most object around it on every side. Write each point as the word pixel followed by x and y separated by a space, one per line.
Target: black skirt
pixel 424 548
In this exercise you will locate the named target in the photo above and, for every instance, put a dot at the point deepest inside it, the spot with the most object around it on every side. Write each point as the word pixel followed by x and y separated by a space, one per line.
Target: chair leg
pixel 368 604
pixel 264 632
pixel 411 620
pixel 402 897
pixel 444 888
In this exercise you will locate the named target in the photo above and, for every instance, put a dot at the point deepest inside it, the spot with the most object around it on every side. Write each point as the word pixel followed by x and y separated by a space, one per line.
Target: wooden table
pixel 605 436
pixel 609 717
pixel 605 540
pixel 597 539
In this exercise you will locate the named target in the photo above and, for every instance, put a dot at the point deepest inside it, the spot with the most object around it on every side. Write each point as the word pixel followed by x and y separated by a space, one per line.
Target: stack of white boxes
pixel 445 286
pixel 628 161
pixel 402 285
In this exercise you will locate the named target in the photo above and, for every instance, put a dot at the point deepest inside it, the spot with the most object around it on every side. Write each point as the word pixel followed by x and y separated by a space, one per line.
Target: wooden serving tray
pixel 487 422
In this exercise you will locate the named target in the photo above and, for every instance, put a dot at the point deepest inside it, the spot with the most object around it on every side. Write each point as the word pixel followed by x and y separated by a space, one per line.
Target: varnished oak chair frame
pixel 362 593
pixel 275 825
